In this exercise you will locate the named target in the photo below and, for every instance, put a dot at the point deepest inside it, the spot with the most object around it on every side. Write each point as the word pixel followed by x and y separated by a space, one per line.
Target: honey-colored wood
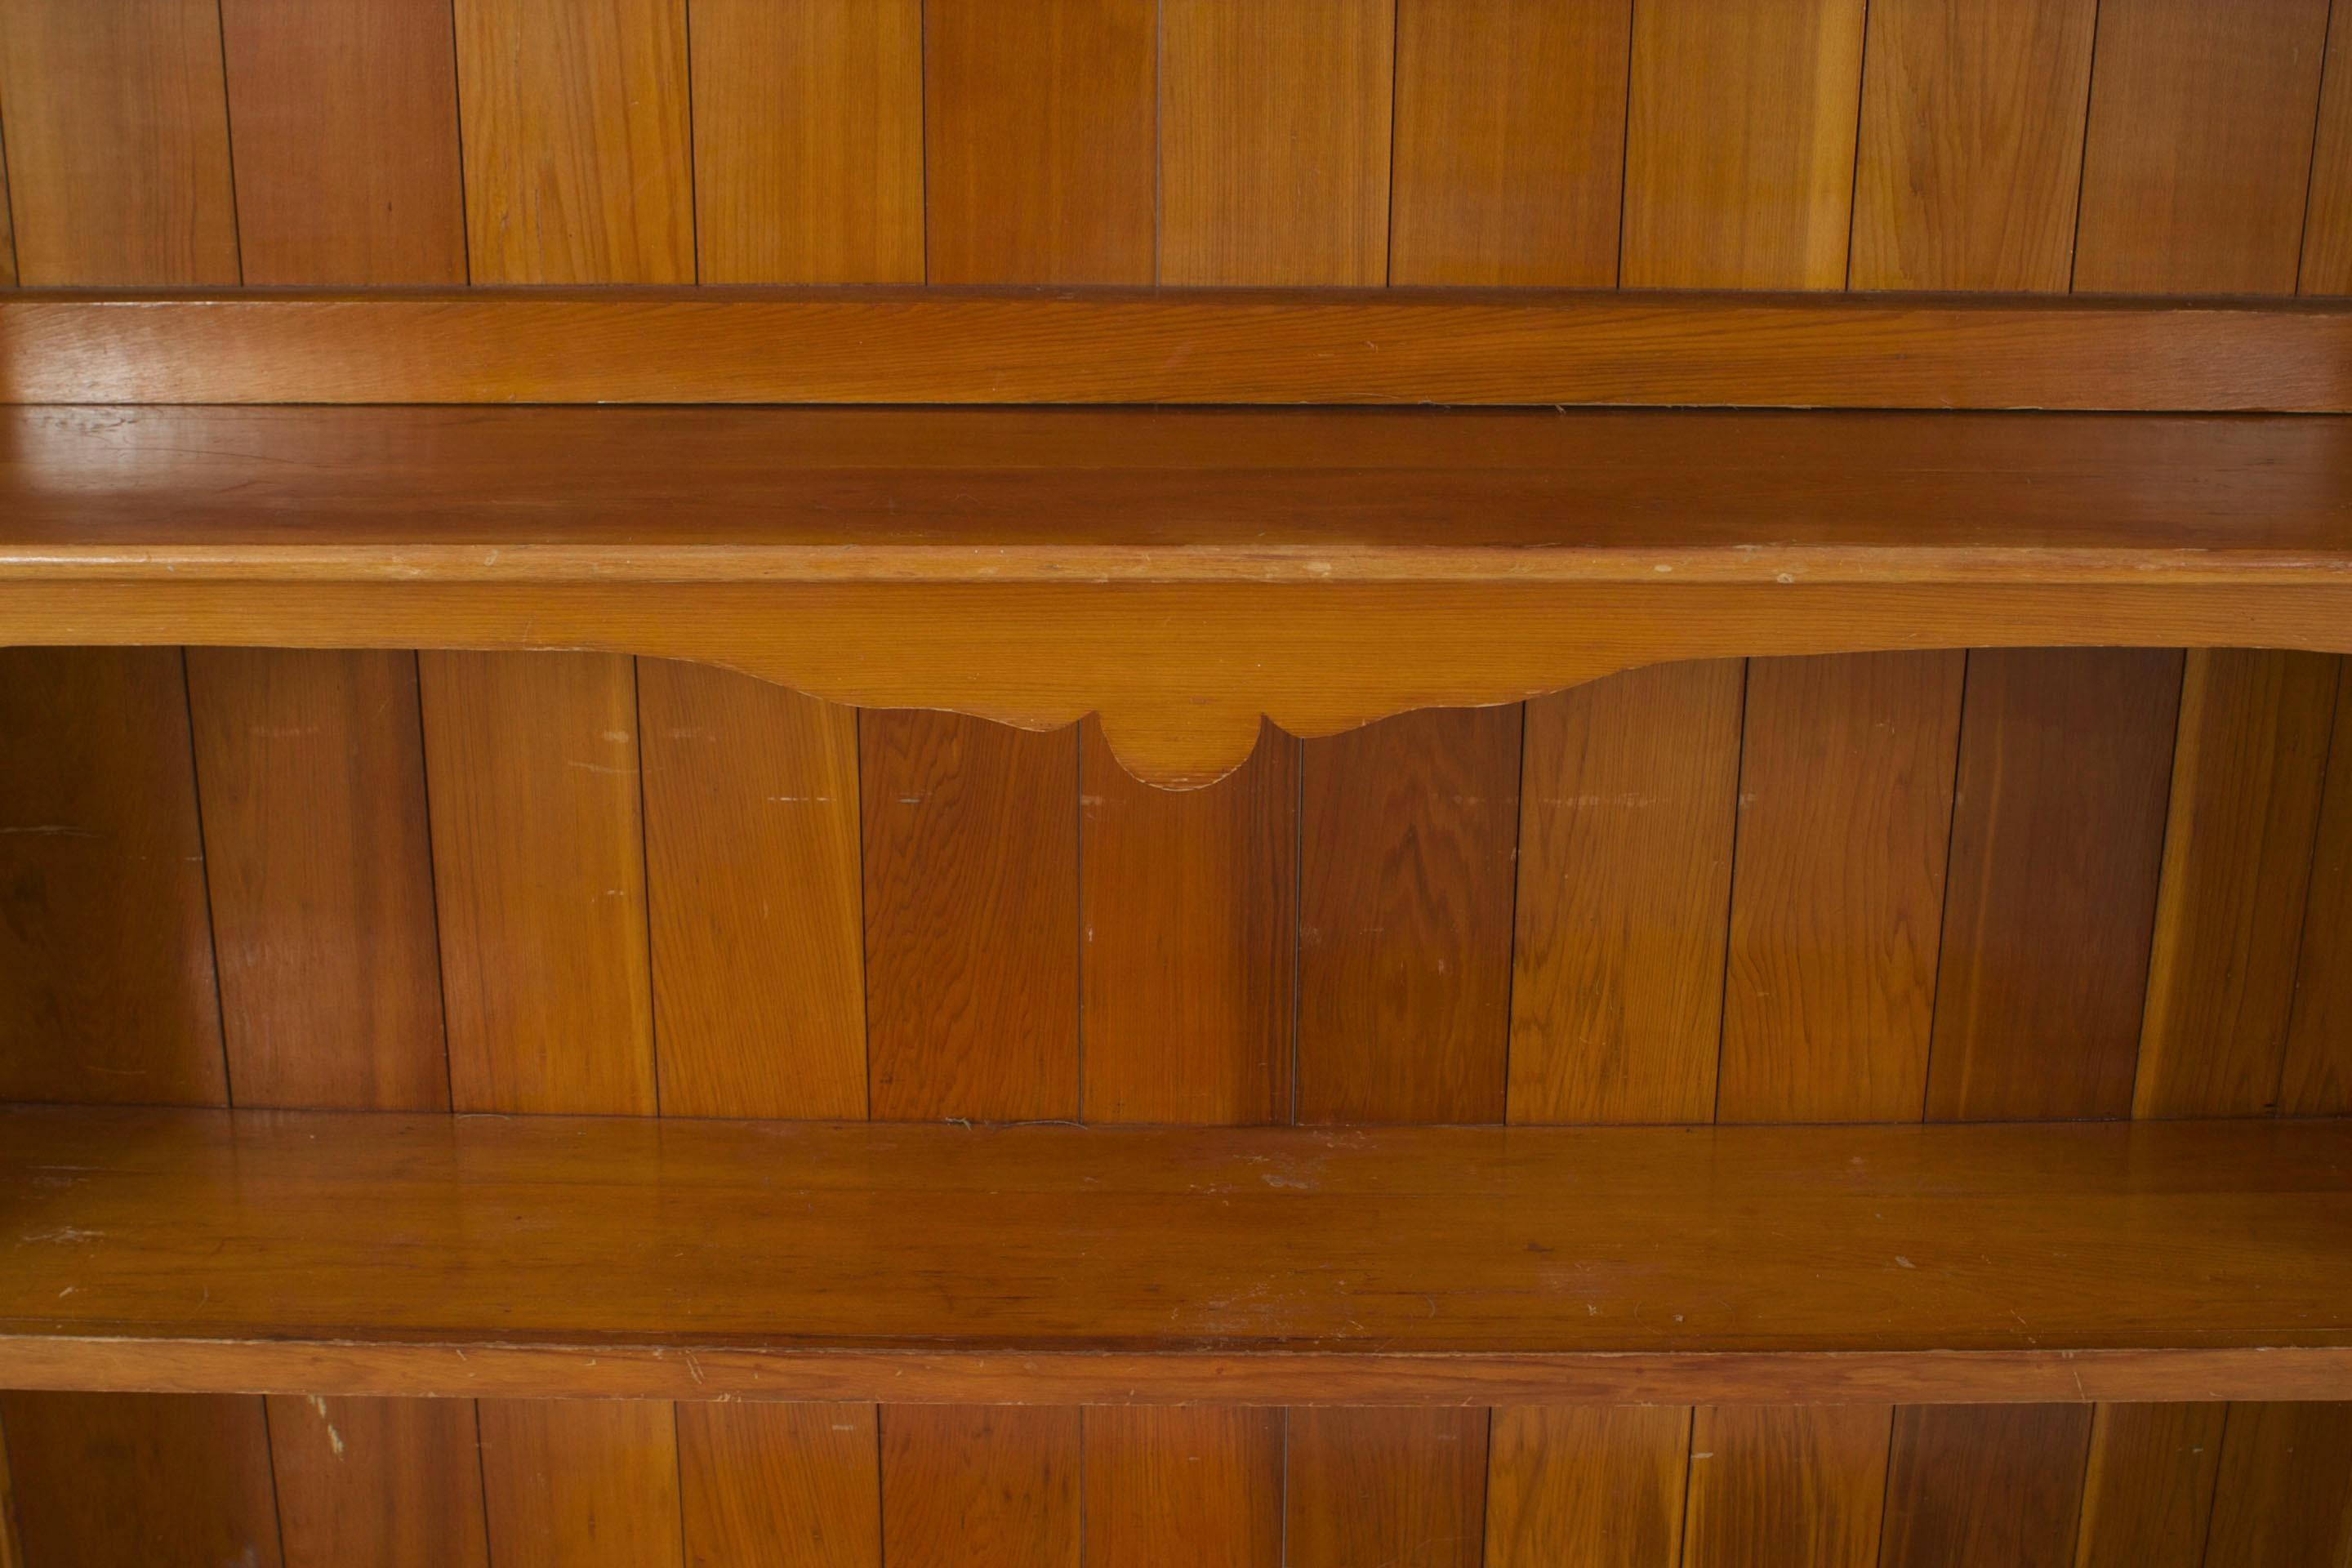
pixel 2200 148
pixel 2317 1079
pixel 127 1480
pixel 966 1487
pixel 581 1483
pixel 1192 1488
pixel 1369 1486
pixel 1845 813
pixel 539 866
pixel 7 255
pixel 378 1483
pixel 1970 153
pixel 2147 1496
pixel 2284 1492
pixel 808 141
pixel 1588 1483
pixel 780 1485
pixel 346 156
pixel 1510 141
pixel 1404 936
pixel 1996 1486
pixel 2065 761
pixel 1786 1483
pixel 577 142
pixel 106 953
pixel 117 132
pixel 972 918
pixel 2326 264
pixel 753 892
pixel 2247 779
pixel 1624 884
pixel 310 774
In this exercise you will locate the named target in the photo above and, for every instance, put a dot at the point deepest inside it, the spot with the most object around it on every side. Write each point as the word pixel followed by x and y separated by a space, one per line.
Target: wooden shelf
pixel 335 1253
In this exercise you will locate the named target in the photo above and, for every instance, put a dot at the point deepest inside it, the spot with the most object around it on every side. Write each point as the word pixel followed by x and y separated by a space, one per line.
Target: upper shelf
pixel 196 1251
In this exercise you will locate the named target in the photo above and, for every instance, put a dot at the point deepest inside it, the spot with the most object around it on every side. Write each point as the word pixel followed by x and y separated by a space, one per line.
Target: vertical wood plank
pixel 1845 797
pixel 1402 1488
pixel 1593 1484
pixel 1189 920
pixel 1626 807
pixel 2326 266
pixel 2199 146
pixel 2247 778
pixel 755 892
pixel 8 241
pixel 780 1485
pixel 106 951
pixel 2057 836
pixel 1510 141
pixel 539 859
pixel 972 920
pixel 1042 157
pixel 581 1483
pixel 1774 1484
pixel 1971 144
pixel 346 141
pixel 2318 1077
pixel 1197 1487
pixel 1739 144
pixel 134 1480
pixel 808 141
pixel 310 773
pixel 117 130
pixel 1999 1486
pixel 1404 941
pixel 2283 1498
pixel 576 140
pixel 378 1483
pixel 1273 141
pixel 980 1487
pixel 2148 1498
pixel 12 1548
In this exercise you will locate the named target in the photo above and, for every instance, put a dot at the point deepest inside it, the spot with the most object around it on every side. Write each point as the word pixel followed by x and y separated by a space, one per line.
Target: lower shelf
pixel 306 1252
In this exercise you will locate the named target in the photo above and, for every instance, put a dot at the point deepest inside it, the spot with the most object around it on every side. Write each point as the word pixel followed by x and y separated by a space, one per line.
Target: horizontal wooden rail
pixel 558 1256
pixel 904 345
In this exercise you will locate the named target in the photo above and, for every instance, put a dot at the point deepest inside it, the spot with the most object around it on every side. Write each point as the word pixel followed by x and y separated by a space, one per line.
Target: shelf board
pixel 379 1254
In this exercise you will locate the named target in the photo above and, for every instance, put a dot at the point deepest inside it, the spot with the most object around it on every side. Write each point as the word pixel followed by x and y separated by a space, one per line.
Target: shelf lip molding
pixel 193 1250
pixel 1027 345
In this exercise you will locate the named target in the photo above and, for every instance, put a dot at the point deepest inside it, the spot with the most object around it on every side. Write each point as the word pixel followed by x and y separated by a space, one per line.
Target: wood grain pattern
pixel 2317 1079
pixel 378 1483
pixel 2326 266
pixel 1405 888
pixel 539 862
pixel 1598 1485
pixel 2249 770
pixel 972 918
pixel 1273 141
pixel 577 142
pixel 1771 1484
pixel 2199 147
pixel 1971 156
pixel 1999 1486
pixel 12 1550
pixel 1739 144
pixel 106 951
pixel 129 1480
pixel 346 141
pixel 1510 141
pixel 8 257
pixel 1627 803
pixel 1040 125
pixel 1188 909
pixel 310 773
pixel 2284 1493
pixel 753 893
pixel 2147 1496
pixel 1846 798
pixel 117 131
pixel 2065 764
pixel 978 1486
pixel 1385 1485
pixel 1197 1488
pixel 581 1483
pixel 808 141
pixel 780 1485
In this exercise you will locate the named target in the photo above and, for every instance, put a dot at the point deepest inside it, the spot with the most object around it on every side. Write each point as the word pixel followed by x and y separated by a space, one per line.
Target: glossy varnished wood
pixel 129 1480
pixel 2147 1492
pixel 1788 1483
pixel 378 1483
pixel 2317 1080
pixel 1198 1487
pixel 980 1488
pixel 581 1483
pixel 1985 1486
pixel 1588 1483
pixel 1367 1486
pixel 2326 264
pixel 797 1485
